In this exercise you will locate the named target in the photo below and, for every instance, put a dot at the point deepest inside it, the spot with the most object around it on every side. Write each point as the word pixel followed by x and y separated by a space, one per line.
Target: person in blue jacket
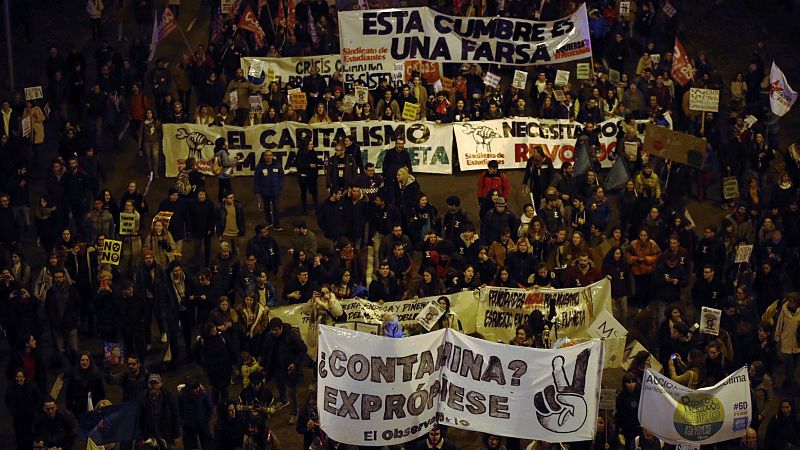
pixel 268 185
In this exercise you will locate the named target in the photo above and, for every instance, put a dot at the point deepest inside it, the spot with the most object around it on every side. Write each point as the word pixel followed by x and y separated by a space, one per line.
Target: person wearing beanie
pixel 179 221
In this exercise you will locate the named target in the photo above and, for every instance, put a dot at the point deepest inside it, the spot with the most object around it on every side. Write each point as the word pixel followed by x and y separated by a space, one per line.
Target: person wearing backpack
pixel 223 168
pixel 190 180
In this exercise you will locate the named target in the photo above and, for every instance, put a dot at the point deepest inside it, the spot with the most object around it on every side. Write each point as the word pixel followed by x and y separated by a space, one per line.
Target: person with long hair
pixel 691 372
pixel 428 285
pixel 160 243
pixel 150 136
pixel 783 431
pixel 616 268
pixel 626 414
pixel 84 384
pixel 23 399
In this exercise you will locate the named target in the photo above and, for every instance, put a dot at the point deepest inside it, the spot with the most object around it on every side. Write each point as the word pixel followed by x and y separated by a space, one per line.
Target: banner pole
pixel 183 35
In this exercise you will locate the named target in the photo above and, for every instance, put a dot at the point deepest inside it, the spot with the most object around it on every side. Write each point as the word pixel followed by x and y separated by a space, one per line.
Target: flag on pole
pixel 617 176
pixel 110 424
pixel 682 70
pixel 291 16
pixel 162 29
pixel 582 164
pixel 781 95
pixel 249 22
pixel 263 3
pixel 90 445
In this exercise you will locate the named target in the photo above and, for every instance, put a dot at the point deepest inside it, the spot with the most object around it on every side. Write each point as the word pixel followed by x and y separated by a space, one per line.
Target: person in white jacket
pixel 94 8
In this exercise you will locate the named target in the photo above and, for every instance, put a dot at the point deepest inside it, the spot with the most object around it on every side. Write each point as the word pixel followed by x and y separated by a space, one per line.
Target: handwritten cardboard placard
pixel 520 77
pixel 583 71
pixel 562 77
pixel 410 111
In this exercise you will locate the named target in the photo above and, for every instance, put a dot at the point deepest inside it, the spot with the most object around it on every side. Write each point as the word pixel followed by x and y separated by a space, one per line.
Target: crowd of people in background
pixel 382 238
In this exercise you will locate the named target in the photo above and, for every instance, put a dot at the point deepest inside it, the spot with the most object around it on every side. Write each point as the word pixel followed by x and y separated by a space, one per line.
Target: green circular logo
pixel 698 416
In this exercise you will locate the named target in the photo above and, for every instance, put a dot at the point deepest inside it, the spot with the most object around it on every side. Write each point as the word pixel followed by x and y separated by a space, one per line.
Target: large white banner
pixel 292 70
pixel 374 40
pixel 501 310
pixel 511 141
pixel 430 145
pixel 377 391
pixel 677 414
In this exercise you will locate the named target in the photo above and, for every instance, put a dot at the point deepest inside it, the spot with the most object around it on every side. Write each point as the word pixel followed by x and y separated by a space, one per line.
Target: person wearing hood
pixel 493 178
pixel 196 409
pixel 783 430
pixel 581 272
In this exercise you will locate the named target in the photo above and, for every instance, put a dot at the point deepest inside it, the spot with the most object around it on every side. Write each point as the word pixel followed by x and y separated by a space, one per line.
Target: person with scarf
pixel 84 386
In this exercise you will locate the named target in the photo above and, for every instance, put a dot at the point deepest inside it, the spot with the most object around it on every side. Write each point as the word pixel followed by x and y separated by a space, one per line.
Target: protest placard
pixel 656 58
pixel 256 69
pixel 608 399
pixel 233 99
pixel 447 84
pixel 559 95
pixel 624 8
pixel 583 71
pixel 255 104
pixel 704 99
pixel 111 252
pixel 398 71
pixel 743 253
pixel 730 188
pixel 127 223
pixel 437 86
pixel 114 353
pixel 26 126
pixel 669 10
pixel 164 217
pixel 491 79
pixel 613 76
pixel 362 94
pixel 675 413
pixel 520 77
pixel 710 320
pixel 562 77
pixel 410 111
pixel 430 314
pixel 348 102
pixel 298 101
pixel 614 352
pixel 33 93
pixel 605 326
pixel 374 390
pixel 680 147
pixel 750 120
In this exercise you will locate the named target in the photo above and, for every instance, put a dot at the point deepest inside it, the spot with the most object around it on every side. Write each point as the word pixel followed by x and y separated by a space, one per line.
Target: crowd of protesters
pixel 381 237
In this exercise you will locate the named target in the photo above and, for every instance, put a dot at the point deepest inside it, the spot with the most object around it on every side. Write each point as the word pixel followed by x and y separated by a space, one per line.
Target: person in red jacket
pixel 581 272
pixel 490 179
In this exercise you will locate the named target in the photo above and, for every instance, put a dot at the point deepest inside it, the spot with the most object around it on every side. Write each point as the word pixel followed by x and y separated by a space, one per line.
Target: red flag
pixel 281 14
pixel 264 3
pixel 682 71
pixel 161 29
pixel 249 22
pixel 291 17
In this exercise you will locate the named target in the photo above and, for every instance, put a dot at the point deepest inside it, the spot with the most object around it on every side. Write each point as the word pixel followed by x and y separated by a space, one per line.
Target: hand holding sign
pixel 561 407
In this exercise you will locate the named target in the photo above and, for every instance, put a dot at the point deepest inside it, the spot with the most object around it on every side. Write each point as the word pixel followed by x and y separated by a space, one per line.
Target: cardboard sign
pixel 430 315
pixel 520 77
pixel 631 150
pixel 750 121
pixel 127 223
pixel 656 58
pixel 608 399
pixel 583 71
pixel 614 352
pixel 710 319
pixel 559 95
pixel 33 93
pixel 26 126
pixel 111 253
pixel 743 253
pixel 397 72
pixel 163 216
pixel 669 10
pixel 704 99
pixel 362 94
pixel 680 147
pixel 613 76
pixel 562 77
pixel 298 101
pixel 491 79
pixel 624 9
pixel 233 99
pixel 256 69
pixel 437 86
pixel 410 111
pixel 730 188
pixel 255 104
pixel 447 84
pixel 605 326
pixel 348 102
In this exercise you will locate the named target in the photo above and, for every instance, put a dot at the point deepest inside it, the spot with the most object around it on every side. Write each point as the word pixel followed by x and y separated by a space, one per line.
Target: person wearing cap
pixel 284 357
pixel 268 182
pixel 227 164
pixel 496 220
pixel 178 222
pixel 158 414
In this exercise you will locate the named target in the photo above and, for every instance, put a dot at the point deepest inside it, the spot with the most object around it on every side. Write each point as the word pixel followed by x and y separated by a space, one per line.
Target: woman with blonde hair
pixel 521 263
pixel 160 242
pixel 131 240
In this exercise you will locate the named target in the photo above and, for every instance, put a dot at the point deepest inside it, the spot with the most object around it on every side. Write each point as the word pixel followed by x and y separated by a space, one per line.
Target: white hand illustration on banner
pixel 195 140
pixel 483 136
pixel 561 407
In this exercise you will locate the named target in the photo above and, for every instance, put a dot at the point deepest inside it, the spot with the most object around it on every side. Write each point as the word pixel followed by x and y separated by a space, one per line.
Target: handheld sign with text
pixel 613 76
pixel 750 121
pixel 562 77
pixel 429 315
pixel 233 98
pixel 608 399
pixel 491 79
pixel 164 217
pixel 730 188
pixel 256 69
pixel 669 10
pixel 624 8
pixel 520 77
pixel 397 72
pixel 583 71
pixel 680 147
pixel 112 250
pixel 362 94
pixel 410 111
pixel 127 223
pixel 437 86
pixel 559 95
pixel 298 101
pixel 255 104
pixel 33 93
pixel 704 100
pixel 447 84
pixel 743 254
pixel 348 103
pixel 710 319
